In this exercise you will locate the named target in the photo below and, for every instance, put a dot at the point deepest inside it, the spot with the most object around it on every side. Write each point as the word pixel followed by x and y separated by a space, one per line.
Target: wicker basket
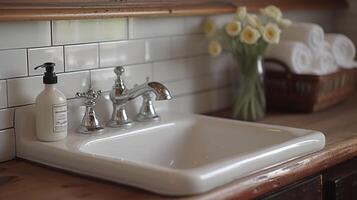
pixel 286 91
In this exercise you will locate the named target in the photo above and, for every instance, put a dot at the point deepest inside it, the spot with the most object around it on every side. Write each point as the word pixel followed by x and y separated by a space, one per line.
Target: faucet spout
pixel 160 91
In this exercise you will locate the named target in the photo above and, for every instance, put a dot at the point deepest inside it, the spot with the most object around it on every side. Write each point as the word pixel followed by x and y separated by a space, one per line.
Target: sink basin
pixel 178 155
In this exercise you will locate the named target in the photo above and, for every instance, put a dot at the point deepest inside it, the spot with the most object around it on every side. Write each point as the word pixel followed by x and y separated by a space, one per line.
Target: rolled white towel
pixel 323 63
pixel 343 50
pixel 295 55
pixel 312 35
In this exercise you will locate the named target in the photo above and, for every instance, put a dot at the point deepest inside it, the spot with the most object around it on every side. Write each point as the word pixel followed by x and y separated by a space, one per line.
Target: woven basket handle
pixel 280 63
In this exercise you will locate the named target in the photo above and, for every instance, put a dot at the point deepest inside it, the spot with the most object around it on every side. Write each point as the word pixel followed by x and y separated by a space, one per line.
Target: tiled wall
pixel 169 50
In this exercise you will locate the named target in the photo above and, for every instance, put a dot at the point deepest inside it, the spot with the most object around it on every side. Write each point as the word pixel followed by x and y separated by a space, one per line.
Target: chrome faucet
pixel 120 95
pixel 90 122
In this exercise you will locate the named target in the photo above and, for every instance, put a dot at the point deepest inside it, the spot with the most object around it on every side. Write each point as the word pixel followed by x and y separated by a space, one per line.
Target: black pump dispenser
pixel 49 76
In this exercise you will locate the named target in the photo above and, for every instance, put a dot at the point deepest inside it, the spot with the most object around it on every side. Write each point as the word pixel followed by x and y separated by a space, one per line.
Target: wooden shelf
pixel 23 10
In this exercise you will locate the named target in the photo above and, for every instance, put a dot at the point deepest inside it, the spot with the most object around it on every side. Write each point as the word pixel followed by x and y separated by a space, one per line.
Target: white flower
pixel 233 28
pixel 253 20
pixel 249 35
pixel 241 13
pixel 210 28
pixel 284 23
pixel 271 33
pixel 214 48
pixel 272 12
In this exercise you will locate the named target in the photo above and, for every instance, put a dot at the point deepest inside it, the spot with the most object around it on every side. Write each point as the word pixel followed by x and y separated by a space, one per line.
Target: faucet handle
pixel 119 83
pixel 119 71
pixel 147 111
pixel 90 96
pixel 90 122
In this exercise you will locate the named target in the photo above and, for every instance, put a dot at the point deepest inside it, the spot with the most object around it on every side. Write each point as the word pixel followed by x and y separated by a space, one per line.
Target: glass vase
pixel 250 103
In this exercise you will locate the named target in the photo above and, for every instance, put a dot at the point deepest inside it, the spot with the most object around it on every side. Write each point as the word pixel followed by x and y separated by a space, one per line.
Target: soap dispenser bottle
pixel 51 108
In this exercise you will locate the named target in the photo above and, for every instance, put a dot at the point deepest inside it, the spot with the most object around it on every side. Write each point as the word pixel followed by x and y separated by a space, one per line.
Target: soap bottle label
pixel 59 117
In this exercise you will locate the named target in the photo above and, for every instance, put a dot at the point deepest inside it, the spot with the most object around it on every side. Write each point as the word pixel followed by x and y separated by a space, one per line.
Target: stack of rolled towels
pixel 306 49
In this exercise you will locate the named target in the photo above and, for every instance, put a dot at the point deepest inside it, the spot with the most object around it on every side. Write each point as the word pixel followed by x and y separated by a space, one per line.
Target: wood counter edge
pixel 274 178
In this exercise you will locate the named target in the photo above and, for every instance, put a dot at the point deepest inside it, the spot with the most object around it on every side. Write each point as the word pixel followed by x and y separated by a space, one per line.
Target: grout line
pixel 13 125
pixel 64 59
pixel 102 41
pixel 21 77
pixel 5 109
pixel 51 32
pixel 127 28
pixel 40 75
pixel 169 36
pixel 27 62
pixel 32 47
pixel 99 57
pixel 7 94
pixel 7 129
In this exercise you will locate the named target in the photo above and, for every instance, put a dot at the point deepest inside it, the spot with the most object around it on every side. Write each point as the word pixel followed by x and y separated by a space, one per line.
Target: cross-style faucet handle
pixel 90 96
pixel 90 122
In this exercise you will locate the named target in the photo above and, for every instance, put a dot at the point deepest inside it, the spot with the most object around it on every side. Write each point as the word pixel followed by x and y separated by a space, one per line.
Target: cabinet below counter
pixel 311 174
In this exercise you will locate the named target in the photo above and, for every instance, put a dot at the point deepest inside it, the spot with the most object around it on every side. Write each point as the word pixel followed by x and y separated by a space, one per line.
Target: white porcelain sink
pixel 179 155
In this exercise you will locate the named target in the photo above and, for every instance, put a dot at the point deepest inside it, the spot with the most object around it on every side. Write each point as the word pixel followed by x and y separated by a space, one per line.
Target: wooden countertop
pixel 20 179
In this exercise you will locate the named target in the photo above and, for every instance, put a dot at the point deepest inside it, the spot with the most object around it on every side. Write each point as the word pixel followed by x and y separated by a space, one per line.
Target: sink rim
pixel 66 155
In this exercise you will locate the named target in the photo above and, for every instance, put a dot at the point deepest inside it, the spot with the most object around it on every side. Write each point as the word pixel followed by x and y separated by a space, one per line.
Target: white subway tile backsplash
pixel 197 66
pixel 7 145
pixel 223 62
pixel 155 27
pixel 198 84
pixel 157 49
pixel 38 56
pixel 121 53
pixel 24 34
pixel 203 102
pixel 188 45
pixel 24 91
pixel 137 74
pixel 194 24
pixel 3 94
pixel 222 19
pixel 170 70
pixel 206 64
pixel 91 30
pixel 180 69
pixel 6 118
pixel 13 63
pixel 103 79
pixel 81 57
pixel 71 83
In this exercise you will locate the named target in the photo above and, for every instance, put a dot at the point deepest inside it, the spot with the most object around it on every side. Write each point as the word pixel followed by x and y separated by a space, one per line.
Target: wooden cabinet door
pixel 340 182
pixel 307 189
pixel 343 188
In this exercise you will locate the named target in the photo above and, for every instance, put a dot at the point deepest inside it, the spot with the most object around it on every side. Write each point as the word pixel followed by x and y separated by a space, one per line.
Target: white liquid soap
pixel 51 108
